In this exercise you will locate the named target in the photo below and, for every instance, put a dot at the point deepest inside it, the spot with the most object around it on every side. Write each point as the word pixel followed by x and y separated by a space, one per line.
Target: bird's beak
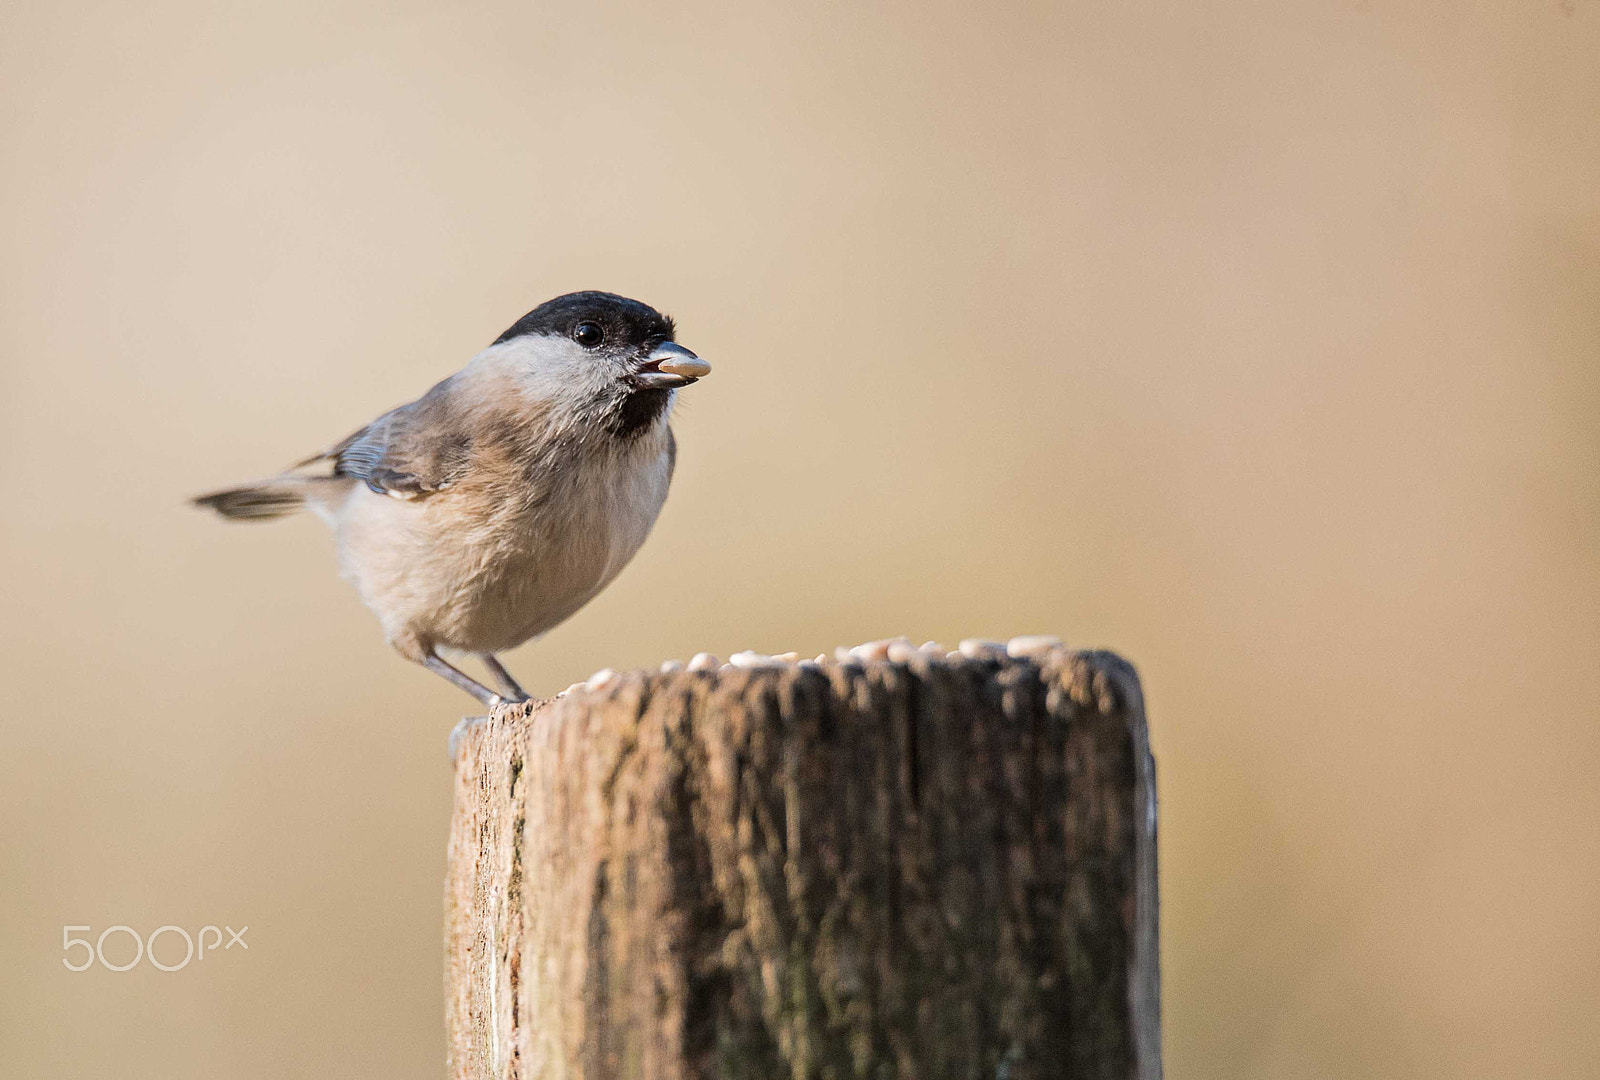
pixel 669 366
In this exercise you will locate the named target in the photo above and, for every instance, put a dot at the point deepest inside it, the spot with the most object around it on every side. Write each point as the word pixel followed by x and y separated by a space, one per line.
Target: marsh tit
pixel 505 498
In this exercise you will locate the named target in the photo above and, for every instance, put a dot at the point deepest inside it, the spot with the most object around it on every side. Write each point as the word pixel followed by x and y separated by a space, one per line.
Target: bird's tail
pixel 261 500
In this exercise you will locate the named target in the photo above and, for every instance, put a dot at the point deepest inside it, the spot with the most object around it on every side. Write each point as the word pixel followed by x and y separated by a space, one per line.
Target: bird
pixel 504 499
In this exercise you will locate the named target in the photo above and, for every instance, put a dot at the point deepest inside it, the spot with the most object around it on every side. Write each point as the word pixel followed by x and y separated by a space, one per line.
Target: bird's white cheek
pixel 547 369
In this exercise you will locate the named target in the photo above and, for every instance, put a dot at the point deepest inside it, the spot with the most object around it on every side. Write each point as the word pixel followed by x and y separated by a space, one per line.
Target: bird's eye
pixel 588 334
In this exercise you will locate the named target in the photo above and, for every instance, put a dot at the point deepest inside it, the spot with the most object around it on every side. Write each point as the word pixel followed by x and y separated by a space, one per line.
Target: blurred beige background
pixel 1260 342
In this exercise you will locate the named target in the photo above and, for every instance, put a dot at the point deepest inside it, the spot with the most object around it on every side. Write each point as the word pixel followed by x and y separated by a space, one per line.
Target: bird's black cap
pixel 624 321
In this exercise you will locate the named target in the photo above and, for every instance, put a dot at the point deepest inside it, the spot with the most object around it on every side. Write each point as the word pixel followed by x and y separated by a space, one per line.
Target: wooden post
pixel 939 867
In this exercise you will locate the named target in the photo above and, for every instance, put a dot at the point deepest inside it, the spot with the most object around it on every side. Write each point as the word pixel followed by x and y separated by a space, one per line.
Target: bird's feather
pixel 408 452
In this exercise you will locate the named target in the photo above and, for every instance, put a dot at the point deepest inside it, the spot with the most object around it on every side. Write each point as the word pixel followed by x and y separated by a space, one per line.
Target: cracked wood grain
pixel 928 869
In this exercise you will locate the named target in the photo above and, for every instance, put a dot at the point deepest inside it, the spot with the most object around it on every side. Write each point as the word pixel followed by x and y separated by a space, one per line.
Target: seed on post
pixel 875 650
pixel 1032 646
pixel 979 649
pixel 900 651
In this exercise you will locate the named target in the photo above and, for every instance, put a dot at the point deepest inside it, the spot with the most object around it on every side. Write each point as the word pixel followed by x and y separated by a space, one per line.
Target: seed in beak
pixel 690 367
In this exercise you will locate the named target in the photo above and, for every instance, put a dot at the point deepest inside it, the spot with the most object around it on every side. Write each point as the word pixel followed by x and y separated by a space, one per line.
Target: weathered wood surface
pixel 940 868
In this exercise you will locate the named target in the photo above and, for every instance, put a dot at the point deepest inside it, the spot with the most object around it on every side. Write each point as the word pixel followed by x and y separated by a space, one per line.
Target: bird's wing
pixel 407 453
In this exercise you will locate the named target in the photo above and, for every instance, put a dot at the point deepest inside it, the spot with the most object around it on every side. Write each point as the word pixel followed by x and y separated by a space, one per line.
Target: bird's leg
pixel 503 677
pixel 439 666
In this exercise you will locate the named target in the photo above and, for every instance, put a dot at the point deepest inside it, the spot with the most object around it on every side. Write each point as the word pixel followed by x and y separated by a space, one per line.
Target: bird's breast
pixel 533 563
